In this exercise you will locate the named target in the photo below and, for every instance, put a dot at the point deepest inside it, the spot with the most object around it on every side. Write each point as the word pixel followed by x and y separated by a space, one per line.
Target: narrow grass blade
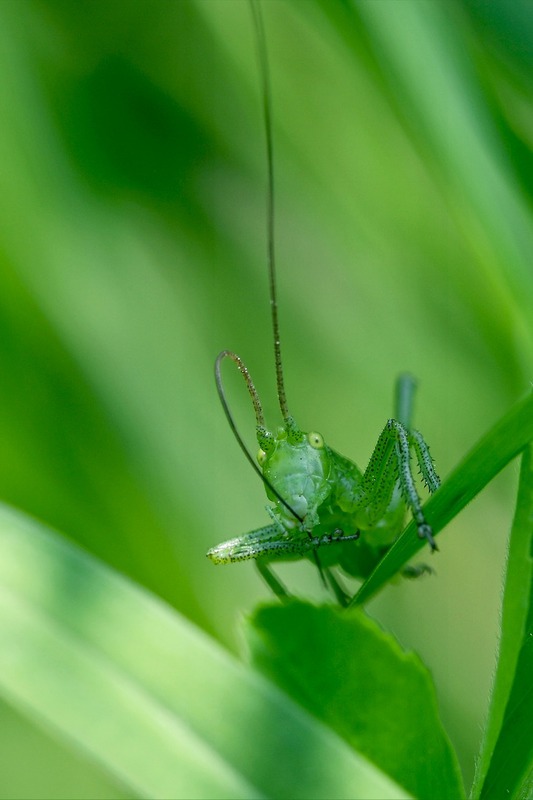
pixel 505 766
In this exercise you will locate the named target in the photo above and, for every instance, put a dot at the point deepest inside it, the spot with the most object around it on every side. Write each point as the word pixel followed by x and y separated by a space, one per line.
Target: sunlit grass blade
pixel 128 681
pixel 505 765
pixel 500 445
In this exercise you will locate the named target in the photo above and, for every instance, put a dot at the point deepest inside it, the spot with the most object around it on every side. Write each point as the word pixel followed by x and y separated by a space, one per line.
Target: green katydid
pixel 320 500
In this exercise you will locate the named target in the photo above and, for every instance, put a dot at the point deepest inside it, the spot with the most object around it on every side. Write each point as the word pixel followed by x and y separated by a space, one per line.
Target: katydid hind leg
pixel 403 408
pixel 392 456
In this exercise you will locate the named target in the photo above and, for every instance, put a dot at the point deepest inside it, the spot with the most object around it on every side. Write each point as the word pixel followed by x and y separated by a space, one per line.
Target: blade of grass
pixel 435 81
pixel 128 681
pixel 505 440
pixel 505 764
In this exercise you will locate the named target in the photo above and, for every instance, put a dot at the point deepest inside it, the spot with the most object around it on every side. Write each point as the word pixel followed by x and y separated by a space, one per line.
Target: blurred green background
pixel 132 250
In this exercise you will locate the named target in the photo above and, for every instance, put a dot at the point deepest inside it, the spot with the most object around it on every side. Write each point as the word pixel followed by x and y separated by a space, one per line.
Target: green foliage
pixel 132 218
pixel 351 675
pixel 133 684
pixel 506 761
pixel 130 682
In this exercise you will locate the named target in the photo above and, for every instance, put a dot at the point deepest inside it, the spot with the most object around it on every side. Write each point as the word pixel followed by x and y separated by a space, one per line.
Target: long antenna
pixel 271 258
pixel 271 255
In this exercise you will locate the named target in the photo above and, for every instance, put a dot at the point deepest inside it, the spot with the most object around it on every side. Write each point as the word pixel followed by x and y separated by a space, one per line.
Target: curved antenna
pixel 258 416
pixel 271 258
pixel 252 391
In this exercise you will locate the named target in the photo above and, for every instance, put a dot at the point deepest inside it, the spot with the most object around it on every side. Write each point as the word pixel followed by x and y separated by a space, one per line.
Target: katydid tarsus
pixel 321 505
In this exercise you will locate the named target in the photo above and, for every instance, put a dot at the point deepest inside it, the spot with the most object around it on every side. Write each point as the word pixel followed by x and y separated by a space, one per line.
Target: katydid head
pixel 297 466
pixel 294 466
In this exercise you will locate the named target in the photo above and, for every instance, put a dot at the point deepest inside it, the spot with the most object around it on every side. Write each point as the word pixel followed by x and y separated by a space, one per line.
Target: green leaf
pixel 505 440
pixel 135 686
pixel 354 677
pixel 509 773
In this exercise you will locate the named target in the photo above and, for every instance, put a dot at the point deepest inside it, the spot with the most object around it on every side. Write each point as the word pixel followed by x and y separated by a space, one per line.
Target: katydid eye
pixel 261 457
pixel 315 440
